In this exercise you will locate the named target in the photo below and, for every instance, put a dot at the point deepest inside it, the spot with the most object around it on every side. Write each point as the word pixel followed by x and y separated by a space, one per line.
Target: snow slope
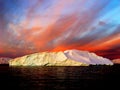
pixel 86 57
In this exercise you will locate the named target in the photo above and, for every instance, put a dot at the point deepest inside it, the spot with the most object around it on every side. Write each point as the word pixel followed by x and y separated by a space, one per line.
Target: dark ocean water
pixel 59 78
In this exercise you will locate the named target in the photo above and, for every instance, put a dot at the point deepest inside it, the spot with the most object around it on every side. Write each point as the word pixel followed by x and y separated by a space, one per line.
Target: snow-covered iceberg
pixel 87 57
pixel 4 60
pixel 116 61
pixel 66 58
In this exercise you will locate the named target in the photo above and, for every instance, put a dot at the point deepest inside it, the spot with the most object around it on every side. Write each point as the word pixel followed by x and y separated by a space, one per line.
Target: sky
pixel 29 26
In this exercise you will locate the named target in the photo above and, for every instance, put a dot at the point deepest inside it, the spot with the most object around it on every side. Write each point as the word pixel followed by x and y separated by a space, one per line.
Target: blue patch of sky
pixel 110 16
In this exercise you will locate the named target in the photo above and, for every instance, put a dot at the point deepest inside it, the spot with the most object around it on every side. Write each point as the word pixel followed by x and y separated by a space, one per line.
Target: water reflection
pixel 41 78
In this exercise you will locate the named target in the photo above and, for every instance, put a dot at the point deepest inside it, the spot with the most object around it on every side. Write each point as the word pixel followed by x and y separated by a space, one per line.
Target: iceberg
pixel 4 60
pixel 116 61
pixel 61 58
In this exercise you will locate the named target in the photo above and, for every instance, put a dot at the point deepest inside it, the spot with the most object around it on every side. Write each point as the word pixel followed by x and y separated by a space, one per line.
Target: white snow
pixel 87 57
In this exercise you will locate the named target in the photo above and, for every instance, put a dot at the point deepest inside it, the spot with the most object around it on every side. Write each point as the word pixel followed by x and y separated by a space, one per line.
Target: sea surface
pixel 59 78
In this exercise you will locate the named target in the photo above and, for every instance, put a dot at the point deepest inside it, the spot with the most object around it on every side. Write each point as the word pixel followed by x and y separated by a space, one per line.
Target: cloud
pixel 40 25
